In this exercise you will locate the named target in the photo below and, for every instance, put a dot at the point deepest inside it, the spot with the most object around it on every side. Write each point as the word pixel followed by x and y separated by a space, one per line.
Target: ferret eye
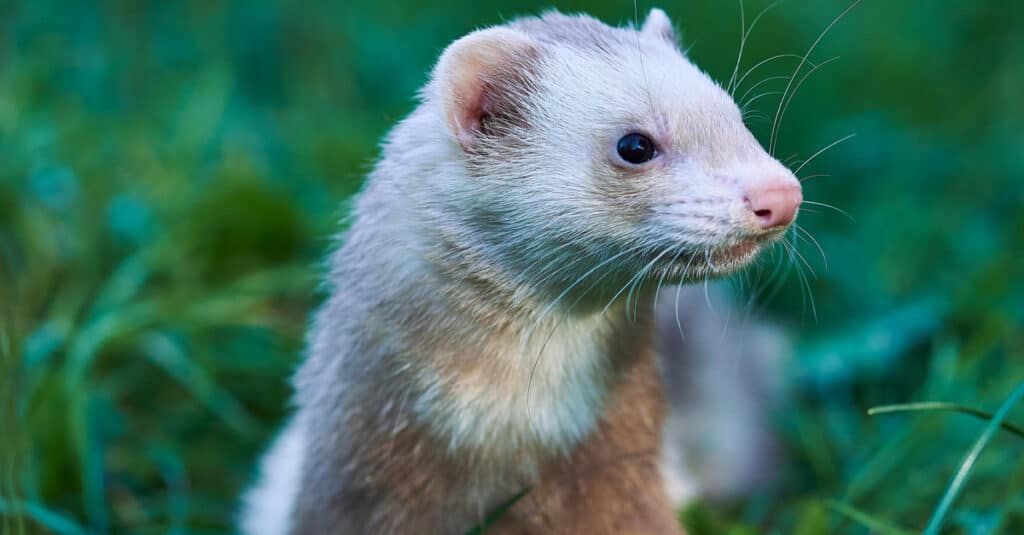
pixel 636 148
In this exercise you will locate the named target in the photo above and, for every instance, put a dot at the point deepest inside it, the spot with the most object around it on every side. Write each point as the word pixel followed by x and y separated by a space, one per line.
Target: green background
pixel 171 174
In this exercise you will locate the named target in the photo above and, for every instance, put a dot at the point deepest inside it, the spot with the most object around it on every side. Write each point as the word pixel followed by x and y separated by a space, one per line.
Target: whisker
pixel 810 237
pixel 743 41
pixel 759 84
pixel 777 279
pixel 759 96
pixel 739 55
pixel 559 263
pixel 679 289
pixel 822 150
pixel 830 207
pixel 803 259
pixel 636 286
pixel 666 272
pixel 805 284
pixel 779 116
pixel 765 62
pixel 751 115
pixel 803 61
pixel 554 261
pixel 581 278
pixel 529 334
pixel 639 281
pixel 630 282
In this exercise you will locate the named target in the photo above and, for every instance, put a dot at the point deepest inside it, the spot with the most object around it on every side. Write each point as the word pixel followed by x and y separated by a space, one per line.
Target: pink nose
pixel 775 202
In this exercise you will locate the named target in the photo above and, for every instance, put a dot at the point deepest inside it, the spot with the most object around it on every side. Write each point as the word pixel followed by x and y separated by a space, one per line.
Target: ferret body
pixel 490 327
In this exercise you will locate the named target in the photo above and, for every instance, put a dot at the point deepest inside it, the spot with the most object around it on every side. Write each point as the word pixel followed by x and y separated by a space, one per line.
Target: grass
pixel 171 174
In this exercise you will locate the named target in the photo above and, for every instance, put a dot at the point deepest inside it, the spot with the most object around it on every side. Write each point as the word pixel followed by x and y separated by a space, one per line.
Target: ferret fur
pixel 477 340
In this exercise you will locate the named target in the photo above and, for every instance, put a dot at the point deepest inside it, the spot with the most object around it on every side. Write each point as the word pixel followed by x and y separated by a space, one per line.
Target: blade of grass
pixel 10 522
pixel 48 518
pixel 944 406
pixel 480 528
pixel 960 478
pixel 864 519
pixel 163 351
pixel 172 469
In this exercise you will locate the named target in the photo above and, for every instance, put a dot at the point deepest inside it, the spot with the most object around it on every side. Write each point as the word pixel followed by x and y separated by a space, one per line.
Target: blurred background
pixel 171 174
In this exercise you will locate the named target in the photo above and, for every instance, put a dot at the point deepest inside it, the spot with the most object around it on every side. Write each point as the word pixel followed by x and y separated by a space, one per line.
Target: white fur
pixel 692 196
pixel 657 24
pixel 504 206
pixel 267 506
pixel 681 483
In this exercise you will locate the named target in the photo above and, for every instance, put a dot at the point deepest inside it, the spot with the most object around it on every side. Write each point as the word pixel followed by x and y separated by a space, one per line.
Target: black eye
pixel 636 148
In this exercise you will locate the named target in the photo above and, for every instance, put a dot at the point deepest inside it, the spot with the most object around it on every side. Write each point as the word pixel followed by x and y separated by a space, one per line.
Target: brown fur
pixel 610 483
pixel 484 233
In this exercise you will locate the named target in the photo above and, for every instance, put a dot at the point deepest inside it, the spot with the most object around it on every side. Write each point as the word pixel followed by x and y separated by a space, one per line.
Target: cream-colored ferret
pixel 491 324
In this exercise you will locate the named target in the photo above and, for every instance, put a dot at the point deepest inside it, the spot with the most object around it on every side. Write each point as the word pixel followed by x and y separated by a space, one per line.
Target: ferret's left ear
pixel 658 25
pixel 481 78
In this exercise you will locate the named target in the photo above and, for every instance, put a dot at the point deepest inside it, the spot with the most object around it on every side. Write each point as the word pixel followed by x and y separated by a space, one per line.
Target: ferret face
pixel 611 151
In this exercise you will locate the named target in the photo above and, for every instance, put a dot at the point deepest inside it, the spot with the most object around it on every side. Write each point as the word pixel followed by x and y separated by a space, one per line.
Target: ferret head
pixel 601 156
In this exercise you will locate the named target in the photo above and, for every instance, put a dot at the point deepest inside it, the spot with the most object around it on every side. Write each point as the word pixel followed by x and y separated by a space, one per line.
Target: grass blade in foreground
pixel 864 519
pixel 943 406
pixel 972 457
pixel 494 516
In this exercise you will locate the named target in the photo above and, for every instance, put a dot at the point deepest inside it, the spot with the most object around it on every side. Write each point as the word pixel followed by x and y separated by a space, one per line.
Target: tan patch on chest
pixel 611 483
pixel 546 393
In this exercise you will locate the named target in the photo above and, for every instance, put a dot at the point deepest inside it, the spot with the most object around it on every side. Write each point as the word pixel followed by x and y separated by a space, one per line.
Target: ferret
pixel 489 340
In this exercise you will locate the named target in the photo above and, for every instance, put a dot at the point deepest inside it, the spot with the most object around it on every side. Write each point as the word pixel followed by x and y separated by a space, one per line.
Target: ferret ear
pixel 658 25
pixel 479 77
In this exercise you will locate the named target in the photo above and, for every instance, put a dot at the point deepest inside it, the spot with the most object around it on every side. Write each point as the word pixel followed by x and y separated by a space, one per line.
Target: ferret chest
pixel 542 390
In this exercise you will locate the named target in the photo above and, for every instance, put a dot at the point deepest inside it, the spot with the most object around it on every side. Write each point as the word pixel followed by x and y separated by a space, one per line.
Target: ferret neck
pixel 511 371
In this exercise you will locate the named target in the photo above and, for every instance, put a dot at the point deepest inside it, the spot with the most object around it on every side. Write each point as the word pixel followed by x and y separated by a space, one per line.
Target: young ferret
pixel 491 331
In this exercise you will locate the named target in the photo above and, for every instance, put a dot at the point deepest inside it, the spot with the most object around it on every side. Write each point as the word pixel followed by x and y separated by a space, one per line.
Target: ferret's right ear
pixel 479 78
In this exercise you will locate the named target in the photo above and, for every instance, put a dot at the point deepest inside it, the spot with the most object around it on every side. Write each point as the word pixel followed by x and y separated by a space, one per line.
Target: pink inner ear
pixel 476 108
pixel 472 74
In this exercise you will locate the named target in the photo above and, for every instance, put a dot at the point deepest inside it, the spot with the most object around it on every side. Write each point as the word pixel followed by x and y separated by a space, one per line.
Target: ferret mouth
pixel 736 254
pixel 716 261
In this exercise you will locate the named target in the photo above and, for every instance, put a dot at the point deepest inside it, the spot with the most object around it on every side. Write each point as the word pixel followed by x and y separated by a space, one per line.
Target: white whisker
pixel 778 112
pixel 830 207
pixel 765 62
pixel 745 34
pixel 810 237
pixel 786 101
pixel 746 104
pixel 822 150
pixel 759 84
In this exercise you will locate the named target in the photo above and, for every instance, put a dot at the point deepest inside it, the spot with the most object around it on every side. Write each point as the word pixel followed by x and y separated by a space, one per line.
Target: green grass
pixel 171 174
